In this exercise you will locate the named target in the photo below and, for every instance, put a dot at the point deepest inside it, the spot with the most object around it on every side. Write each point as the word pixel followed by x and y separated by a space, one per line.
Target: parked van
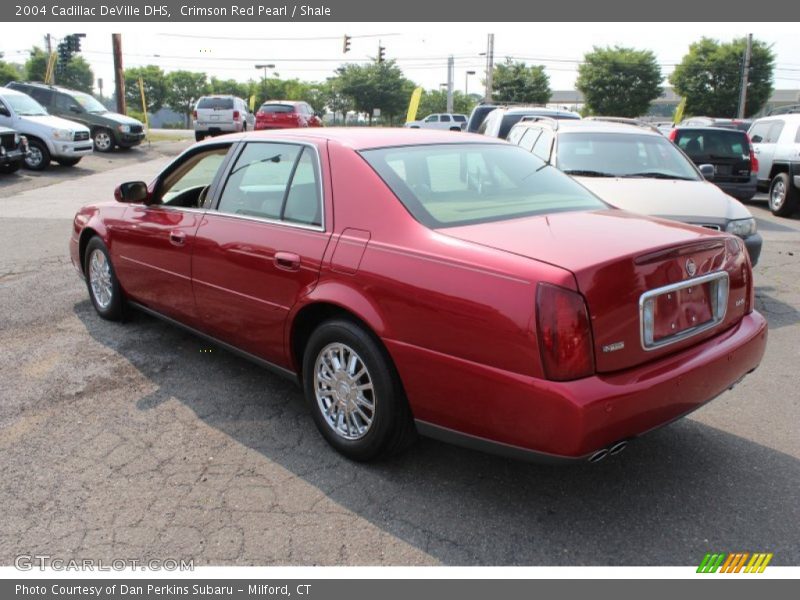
pixel 215 115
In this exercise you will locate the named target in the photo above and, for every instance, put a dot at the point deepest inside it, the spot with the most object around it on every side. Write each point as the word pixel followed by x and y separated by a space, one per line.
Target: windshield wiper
pixel 657 175
pixel 588 173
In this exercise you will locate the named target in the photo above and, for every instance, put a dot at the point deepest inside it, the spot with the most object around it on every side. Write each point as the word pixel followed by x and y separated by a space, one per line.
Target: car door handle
pixel 177 238
pixel 287 261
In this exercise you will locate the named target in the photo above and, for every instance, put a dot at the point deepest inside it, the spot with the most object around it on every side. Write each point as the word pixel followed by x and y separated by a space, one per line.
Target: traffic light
pixel 64 52
pixel 346 44
pixel 381 54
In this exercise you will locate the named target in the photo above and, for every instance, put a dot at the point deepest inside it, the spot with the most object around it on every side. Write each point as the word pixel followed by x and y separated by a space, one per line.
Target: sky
pixel 312 51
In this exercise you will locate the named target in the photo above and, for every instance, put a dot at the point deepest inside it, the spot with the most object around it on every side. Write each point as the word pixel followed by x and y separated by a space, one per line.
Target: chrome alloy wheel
pixel 778 195
pixel 102 141
pixel 344 391
pixel 100 279
pixel 34 158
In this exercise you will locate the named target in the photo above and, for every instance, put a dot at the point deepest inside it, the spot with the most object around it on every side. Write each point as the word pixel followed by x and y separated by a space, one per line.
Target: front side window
pixel 187 184
pixel 596 154
pixel 432 119
pixel 89 103
pixel 447 185
pixel 279 182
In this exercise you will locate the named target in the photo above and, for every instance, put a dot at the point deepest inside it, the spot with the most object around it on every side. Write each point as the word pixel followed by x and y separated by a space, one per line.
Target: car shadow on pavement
pixel 778 314
pixel 674 495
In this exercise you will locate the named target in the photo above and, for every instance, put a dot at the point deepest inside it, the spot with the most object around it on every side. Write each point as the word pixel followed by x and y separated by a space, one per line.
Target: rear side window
pixel 515 135
pixel 445 118
pixel 774 132
pixel 213 103
pixel 460 118
pixel 447 185
pixel 543 145
pixel 276 182
pixel 42 96
pixel 276 108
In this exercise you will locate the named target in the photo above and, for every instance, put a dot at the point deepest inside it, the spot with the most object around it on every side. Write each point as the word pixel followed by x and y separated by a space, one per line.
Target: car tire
pixel 103 140
pixel 362 424
pixel 68 162
pixel 199 137
pixel 10 168
pixel 101 280
pixel 38 157
pixel 783 197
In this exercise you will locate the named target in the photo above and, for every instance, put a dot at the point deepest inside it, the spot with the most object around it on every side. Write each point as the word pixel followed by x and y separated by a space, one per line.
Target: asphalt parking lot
pixel 138 440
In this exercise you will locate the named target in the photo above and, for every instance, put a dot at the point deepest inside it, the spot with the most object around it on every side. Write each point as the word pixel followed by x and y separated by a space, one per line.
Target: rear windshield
pixel 447 185
pixel 723 143
pixel 276 108
pixel 595 154
pixel 216 103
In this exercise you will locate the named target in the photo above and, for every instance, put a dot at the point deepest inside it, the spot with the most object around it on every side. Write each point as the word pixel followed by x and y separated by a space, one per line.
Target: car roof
pixel 11 91
pixel 283 102
pixel 706 128
pixel 784 117
pixel 363 138
pixel 47 86
pixel 543 110
pixel 565 125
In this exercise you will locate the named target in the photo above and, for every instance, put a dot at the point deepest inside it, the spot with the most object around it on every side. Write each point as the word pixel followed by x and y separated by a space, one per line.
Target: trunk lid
pixel 617 258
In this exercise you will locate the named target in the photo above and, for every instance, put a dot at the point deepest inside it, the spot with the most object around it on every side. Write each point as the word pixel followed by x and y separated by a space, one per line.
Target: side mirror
pixel 707 171
pixel 4 111
pixel 74 108
pixel 131 191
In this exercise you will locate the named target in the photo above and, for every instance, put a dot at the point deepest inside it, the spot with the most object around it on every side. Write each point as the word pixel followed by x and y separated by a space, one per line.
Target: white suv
pixel 49 137
pixel 215 115
pixel 446 121
pixel 776 143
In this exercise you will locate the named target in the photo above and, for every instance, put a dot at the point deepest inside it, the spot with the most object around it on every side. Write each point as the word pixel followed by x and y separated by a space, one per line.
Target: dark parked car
pixel 413 280
pixel 729 150
pixel 108 129
pixel 13 148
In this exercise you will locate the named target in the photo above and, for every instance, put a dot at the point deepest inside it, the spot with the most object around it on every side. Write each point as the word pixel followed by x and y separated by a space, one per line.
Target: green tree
pixel 183 90
pixel 517 82
pixel 435 101
pixel 375 85
pixel 709 77
pixel 76 75
pixel 8 72
pixel 155 87
pixel 36 65
pixel 619 82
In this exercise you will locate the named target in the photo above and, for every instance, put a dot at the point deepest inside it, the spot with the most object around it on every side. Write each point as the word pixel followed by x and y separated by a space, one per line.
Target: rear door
pixel 261 247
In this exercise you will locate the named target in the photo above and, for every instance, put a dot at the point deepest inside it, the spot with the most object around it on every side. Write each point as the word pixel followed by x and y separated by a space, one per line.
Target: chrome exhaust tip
pixel 618 447
pixel 598 456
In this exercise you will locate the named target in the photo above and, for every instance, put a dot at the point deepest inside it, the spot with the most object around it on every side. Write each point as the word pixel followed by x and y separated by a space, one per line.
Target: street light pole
pixel 466 82
pixel 264 81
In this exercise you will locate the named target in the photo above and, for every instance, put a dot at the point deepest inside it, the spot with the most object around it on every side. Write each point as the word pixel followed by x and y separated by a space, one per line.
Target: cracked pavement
pixel 138 440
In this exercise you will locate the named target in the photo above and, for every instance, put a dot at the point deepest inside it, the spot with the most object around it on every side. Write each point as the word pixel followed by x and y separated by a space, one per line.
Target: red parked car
pixel 410 282
pixel 285 114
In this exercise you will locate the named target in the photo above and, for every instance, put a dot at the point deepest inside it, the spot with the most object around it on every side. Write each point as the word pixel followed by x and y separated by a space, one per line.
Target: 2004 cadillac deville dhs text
pixel 414 282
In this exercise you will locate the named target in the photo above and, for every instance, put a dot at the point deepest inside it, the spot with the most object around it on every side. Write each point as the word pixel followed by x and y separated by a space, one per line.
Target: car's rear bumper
pixel 740 191
pixel 260 126
pixel 563 420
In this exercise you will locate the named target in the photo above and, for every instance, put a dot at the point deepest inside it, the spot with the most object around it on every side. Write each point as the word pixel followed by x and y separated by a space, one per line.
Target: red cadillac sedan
pixel 413 282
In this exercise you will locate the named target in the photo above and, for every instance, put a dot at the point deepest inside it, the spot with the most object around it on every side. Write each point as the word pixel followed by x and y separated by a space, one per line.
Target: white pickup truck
pixel 446 121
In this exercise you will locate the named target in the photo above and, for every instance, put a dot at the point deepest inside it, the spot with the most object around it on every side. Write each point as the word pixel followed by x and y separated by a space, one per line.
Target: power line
pixel 275 39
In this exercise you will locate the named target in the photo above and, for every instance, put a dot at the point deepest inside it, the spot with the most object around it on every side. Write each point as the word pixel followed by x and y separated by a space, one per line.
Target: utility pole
pixel 48 77
pixel 450 76
pixel 489 67
pixel 745 76
pixel 119 75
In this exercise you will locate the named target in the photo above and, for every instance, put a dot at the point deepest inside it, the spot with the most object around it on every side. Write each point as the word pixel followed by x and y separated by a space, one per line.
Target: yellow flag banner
pixel 253 103
pixel 414 104
pixel 679 112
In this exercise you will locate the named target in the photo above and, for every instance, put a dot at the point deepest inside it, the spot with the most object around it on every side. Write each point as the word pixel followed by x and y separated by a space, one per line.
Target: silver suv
pixel 215 115
pixel 776 142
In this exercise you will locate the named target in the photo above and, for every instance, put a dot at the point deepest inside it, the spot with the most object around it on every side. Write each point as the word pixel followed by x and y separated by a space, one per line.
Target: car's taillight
pixel 236 115
pixel 565 336
pixel 753 159
pixel 673 134
pixel 194 114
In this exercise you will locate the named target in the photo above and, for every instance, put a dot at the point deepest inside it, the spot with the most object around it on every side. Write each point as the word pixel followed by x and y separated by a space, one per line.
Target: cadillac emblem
pixel 691 267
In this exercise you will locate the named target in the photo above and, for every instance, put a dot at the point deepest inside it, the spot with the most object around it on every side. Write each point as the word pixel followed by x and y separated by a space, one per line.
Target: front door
pixel 261 247
pixel 152 246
